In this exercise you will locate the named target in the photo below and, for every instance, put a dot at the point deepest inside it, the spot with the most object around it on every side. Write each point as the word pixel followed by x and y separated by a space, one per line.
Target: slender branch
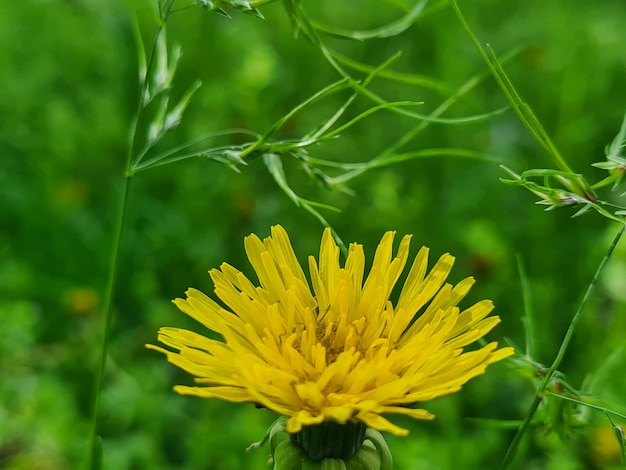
pixel 94 438
pixel 529 320
pixel 94 460
pixel 524 112
pixel 511 451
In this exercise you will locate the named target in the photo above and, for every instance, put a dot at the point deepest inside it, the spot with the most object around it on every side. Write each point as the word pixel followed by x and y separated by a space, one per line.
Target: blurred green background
pixel 67 91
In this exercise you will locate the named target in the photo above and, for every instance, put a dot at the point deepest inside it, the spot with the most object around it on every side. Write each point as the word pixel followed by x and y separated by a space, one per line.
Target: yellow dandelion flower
pixel 341 351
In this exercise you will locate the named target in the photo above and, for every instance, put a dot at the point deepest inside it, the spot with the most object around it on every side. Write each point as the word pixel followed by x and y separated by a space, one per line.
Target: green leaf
pixel 618 432
pixel 142 64
pixel 406 78
pixel 614 149
pixel 274 164
pixel 173 118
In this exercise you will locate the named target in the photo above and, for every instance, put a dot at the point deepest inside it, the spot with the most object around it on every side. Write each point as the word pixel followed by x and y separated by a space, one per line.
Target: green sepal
pixel 330 439
pixel 287 454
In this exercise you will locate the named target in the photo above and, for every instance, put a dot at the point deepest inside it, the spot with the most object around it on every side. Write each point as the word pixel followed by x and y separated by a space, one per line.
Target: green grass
pixel 68 94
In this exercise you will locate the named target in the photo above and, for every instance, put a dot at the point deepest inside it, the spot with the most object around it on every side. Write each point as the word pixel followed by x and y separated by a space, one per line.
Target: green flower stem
pixel 511 451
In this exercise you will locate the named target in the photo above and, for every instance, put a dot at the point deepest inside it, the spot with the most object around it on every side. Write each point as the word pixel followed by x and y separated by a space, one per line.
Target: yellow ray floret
pixel 337 351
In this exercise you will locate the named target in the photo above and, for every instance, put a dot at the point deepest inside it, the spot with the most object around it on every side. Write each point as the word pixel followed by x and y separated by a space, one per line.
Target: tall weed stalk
pixel 561 188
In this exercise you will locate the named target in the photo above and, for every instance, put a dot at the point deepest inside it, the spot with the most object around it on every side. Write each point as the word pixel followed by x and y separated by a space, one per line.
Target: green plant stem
pixel 308 29
pixel 529 316
pixel 511 451
pixel 94 460
pixel 606 410
pixel 404 140
pixel 260 3
pixel 94 440
pixel 524 112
